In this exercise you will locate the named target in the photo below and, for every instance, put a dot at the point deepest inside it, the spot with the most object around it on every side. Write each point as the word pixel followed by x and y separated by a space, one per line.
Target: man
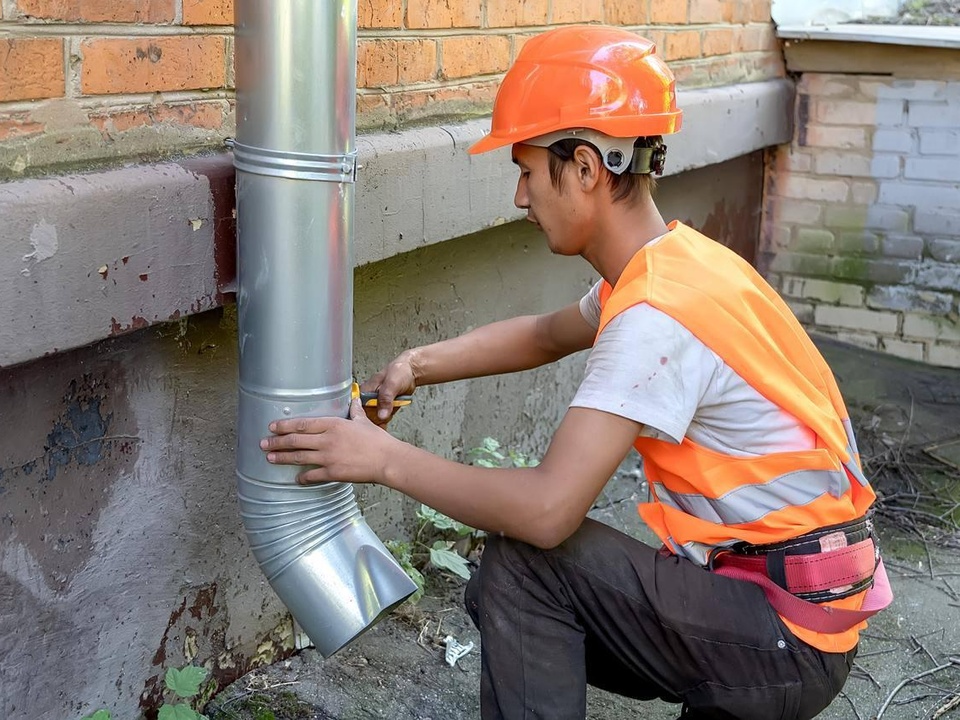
pixel 757 492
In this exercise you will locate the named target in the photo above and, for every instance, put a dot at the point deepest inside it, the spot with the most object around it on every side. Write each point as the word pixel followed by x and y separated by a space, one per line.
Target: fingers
pixel 314 476
pixel 290 441
pixel 374 382
pixel 294 457
pixel 310 425
pixel 356 410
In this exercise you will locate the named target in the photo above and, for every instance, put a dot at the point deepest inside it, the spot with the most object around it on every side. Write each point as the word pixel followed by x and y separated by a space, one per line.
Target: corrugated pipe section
pixel 296 165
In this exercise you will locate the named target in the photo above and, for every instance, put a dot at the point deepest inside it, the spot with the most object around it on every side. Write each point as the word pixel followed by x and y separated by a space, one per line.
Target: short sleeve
pixel 649 368
pixel 590 306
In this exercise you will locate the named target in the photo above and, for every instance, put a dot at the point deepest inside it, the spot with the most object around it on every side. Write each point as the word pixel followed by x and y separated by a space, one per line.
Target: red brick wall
pixel 89 79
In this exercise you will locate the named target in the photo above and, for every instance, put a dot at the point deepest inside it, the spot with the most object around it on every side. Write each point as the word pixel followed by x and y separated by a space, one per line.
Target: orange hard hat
pixel 594 77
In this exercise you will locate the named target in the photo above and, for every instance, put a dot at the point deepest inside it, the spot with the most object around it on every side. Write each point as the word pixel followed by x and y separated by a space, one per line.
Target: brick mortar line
pixel 73 77
pixel 10 29
pixel 429 85
pixel 432 33
pixel 96 102
pixel 15 30
pixel 455 82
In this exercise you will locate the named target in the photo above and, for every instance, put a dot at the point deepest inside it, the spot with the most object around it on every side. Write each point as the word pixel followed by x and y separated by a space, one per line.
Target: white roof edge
pixel 910 35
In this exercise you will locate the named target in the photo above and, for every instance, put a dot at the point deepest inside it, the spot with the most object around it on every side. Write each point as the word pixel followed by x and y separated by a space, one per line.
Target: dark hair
pixel 623 187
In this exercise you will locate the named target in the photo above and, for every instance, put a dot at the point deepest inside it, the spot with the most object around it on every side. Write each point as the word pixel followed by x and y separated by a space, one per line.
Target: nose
pixel 520 198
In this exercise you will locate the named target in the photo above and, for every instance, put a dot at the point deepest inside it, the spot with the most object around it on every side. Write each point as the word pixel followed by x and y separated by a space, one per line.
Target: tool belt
pixel 827 564
pixel 799 574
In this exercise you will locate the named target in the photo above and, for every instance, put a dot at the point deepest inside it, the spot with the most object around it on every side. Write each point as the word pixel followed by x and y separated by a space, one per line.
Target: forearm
pixel 516 502
pixel 520 343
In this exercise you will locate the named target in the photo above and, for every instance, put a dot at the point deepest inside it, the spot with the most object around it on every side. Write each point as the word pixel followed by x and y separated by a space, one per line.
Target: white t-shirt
pixel 647 367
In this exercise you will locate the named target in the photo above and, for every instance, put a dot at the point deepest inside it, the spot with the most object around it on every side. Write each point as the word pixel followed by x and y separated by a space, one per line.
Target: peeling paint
pixel 136 323
pixel 199 623
pixel 223 194
pixel 43 240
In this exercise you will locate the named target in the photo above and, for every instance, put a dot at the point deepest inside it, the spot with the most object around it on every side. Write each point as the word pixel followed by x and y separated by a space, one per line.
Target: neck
pixel 621 231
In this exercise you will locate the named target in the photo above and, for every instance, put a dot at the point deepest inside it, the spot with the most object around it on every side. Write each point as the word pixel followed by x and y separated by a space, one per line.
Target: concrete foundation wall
pixel 121 553
pixel 88 256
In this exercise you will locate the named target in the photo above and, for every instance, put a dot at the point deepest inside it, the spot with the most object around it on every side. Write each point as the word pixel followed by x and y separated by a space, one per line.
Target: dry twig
pixel 913 678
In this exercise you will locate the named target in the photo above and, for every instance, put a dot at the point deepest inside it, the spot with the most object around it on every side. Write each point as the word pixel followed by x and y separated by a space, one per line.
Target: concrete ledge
pixel 84 257
pixel 909 35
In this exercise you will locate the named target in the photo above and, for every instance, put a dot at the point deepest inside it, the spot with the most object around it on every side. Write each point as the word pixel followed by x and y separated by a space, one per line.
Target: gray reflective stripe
pixel 749 503
pixel 851 464
pixel 851 440
pixel 855 470
pixel 697 552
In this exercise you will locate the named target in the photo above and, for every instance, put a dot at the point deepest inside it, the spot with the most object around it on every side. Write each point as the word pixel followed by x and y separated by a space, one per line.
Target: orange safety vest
pixel 705 500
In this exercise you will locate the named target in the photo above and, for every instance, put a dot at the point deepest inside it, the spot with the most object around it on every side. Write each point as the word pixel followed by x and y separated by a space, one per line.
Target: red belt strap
pixel 816 572
pixel 812 616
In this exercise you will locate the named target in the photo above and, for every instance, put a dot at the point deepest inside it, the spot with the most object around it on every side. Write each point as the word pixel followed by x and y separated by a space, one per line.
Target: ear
pixel 588 167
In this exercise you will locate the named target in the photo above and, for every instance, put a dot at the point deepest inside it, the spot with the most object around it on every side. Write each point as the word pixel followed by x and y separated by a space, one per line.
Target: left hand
pixel 353 450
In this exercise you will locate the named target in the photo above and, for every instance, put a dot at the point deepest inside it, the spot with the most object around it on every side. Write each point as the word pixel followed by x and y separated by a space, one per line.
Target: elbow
pixel 549 532
pixel 553 516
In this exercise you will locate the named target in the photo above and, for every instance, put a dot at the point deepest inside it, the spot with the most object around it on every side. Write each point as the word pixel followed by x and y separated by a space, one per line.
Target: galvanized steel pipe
pixel 296 164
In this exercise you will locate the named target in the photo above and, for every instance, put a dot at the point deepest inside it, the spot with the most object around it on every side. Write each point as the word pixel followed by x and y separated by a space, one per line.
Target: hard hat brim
pixel 487 143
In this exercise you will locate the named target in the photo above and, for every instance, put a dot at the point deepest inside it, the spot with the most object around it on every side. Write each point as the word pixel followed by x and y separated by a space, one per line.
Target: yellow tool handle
pixel 369 399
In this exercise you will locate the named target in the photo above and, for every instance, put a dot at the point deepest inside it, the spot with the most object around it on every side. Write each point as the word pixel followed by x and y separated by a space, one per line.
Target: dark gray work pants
pixel 605 609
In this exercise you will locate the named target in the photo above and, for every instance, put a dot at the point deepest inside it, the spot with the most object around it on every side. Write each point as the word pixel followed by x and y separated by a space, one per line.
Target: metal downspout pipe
pixel 295 159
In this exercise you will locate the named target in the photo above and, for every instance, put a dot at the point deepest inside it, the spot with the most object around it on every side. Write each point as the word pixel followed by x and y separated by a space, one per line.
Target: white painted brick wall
pixel 933 142
pixel 925 327
pixel 901 297
pixel 938 221
pixel 934 115
pixel 856 319
pixel 898 141
pixel 946 355
pixel 903 246
pixel 907 350
pixel 935 169
pixel 865 208
pixel 918 194
pixel 945 250
pixel 823 291
pixel 871 342
pixel 890 113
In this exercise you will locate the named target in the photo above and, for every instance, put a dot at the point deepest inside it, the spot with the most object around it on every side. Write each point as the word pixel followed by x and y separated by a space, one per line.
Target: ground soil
pixel 909 660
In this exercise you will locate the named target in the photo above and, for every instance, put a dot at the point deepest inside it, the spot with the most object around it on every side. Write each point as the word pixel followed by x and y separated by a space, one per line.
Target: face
pixel 559 214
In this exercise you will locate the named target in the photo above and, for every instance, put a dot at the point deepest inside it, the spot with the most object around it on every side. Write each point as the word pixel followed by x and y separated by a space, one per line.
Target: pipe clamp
pixel 296 166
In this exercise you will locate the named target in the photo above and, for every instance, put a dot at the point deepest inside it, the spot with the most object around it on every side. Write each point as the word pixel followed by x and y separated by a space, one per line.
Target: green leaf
pixel 99 715
pixel 185 683
pixel 490 444
pixel 403 554
pixel 449 560
pixel 441 521
pixel 177 712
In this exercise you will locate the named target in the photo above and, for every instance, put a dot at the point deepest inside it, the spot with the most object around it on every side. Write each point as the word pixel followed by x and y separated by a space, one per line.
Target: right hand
pixel 397 378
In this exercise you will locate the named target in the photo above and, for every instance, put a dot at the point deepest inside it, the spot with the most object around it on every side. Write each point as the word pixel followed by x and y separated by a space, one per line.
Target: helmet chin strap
pixel 618 154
